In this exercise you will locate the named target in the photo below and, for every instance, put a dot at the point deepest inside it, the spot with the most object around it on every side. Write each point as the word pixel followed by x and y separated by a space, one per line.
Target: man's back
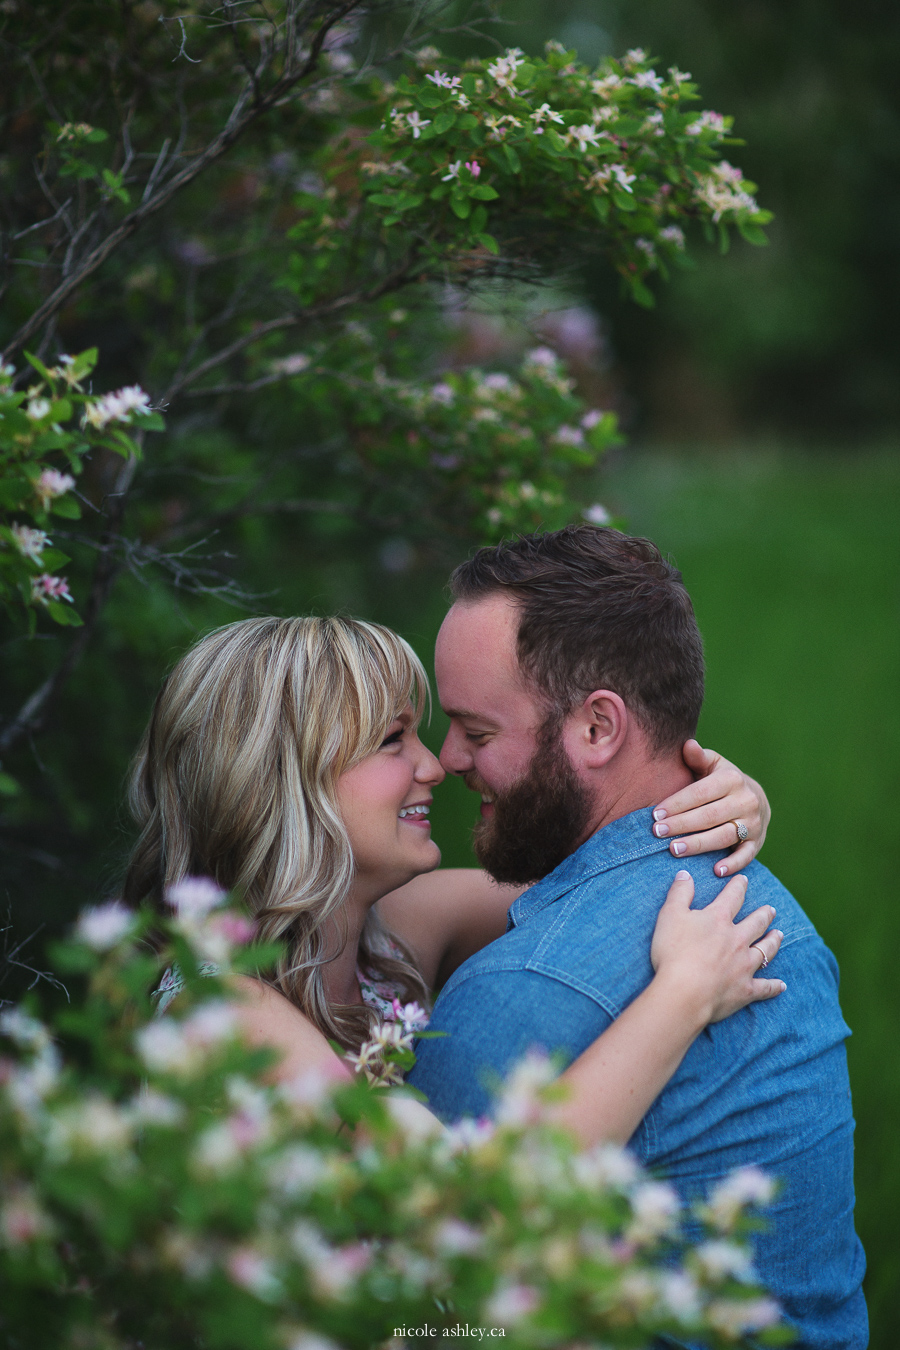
pixel 766 1087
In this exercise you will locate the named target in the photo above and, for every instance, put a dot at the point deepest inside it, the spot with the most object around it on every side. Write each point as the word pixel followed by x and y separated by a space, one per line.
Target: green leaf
pixel 38 365
pixel 601 207
pixel 63 614
pixel 66 507
pixel 724 238
pixel 512 159
pixel 53 558
pixel 96 136
pixel 753 234
pixel 429 98
pixel 642 294
pixel 624 200
pixel 443 122
pixel 383 198
pixel 524 75
pixel 467 122
pixel 8 786
pixel 478 218
pixel 152 421
pixel 489 242
pixel 483 192
pixel 461 206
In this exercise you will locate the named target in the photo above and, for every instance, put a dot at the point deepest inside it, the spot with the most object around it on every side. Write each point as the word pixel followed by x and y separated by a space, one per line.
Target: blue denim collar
pixel 621 841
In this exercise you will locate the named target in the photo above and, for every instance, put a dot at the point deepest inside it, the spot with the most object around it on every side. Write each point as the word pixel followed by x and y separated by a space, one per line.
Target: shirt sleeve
pixel 490 1020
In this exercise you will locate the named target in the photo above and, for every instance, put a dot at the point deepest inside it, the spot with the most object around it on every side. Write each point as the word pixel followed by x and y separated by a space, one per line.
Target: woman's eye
pixel 393 739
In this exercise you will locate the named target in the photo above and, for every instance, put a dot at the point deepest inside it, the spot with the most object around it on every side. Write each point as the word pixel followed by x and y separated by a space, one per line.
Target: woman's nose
pixel 429 768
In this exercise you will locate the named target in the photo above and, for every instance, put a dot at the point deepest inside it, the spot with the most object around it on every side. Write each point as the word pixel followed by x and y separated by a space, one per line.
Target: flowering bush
pixel 476 156
pixel 34 442
pixel 157 1193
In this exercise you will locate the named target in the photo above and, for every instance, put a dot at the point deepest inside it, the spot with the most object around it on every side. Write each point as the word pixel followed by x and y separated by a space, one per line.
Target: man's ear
pixel 597 729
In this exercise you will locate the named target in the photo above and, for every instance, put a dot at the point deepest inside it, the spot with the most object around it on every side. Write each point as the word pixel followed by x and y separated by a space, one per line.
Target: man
pixel 571 668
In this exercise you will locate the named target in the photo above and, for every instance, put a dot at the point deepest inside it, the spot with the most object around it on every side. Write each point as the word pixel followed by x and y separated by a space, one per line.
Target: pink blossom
pixel 474 167
pixel 47 587
pixel 512 1302
pixel 237 928
pixel 52 484
pixel 103 926
pixel 194 896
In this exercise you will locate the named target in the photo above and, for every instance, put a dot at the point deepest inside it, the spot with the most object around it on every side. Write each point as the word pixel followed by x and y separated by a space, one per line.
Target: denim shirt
pixel 767 1087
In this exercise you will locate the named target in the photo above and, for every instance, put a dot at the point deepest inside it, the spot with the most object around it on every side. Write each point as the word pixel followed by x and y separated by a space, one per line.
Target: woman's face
pixel 384 803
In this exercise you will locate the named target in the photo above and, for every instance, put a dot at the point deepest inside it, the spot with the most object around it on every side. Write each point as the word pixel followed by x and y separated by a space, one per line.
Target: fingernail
pixel 783 985
pixel 660 813
pixel 776 932
pixel 678 848
pixel 660 831
pixel 722 870
pixel 682 875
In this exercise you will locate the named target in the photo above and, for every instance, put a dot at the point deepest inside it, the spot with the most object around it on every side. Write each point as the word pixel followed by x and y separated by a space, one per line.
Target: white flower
pixel 511 1302
pixel 635 55
pixel 655 1208
pixel 452 171
pixel 648 79
pixel 503 70
pixel 217 1150
pixel 296 1170
pixel 597 514
pixel 737 1317
pixel 104 926
pixel 543 357
pixel 298 361
pixel 30 543
pixel 47 587
pixel 721 191
pixel 26 1031
pixel 604 176
pixel 606 1165
pixel 673 234
pixel 544 114
pixel 746 1186
pixel 607 86
pixel 117 407
pixel 251 1270
pixel 646 246
pixel 566 435
pixel 164 1048
pixel 453 1237
pixel 442 393
pixel 412 1015
pixel 466 1134
pixel 416 124
pixel 585 135
pixel 194 896
pixel 37 409
pixel 310 1340
pixel 519 1102
pixel 707 121
pixel 95 1125
pixel 150 1107
pixel 678 76
pixel 53 484
pixel 718 1259
pixel 22 1219
pixel 444 81
pixel 679 1295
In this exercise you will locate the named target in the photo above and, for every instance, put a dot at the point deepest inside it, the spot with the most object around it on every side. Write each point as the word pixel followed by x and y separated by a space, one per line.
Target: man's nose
pixel 456 757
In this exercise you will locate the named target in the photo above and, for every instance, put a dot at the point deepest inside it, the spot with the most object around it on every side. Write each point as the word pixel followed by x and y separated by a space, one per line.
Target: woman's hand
pixel 708 957
pixel 704 813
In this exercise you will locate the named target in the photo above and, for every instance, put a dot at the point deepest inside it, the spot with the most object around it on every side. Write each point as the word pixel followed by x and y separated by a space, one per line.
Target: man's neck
pixel 648 782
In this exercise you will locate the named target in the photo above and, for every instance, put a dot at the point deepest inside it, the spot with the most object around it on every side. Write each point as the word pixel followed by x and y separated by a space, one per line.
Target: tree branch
pixel 240 118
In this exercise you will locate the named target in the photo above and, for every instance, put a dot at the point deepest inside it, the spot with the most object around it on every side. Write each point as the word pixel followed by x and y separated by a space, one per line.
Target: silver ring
pixel 765 959
pixel 742 831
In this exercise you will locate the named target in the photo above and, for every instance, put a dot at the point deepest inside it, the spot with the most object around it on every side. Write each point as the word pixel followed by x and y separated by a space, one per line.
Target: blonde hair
pixel 236 779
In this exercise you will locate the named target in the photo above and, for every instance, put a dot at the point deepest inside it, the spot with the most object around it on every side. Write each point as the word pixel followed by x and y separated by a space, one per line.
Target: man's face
pixel 534 807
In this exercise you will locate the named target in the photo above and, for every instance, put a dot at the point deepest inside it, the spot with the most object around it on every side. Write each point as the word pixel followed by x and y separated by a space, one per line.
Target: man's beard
pixel 539 821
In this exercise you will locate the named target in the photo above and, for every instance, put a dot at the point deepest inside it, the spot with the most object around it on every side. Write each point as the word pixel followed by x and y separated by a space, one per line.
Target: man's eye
pixel 476 736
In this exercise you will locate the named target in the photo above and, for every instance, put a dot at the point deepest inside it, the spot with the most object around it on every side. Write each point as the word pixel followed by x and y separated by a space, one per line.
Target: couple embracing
pixel 283 758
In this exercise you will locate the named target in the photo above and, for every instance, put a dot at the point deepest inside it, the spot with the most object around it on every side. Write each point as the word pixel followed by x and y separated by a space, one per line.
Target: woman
pixel 282 759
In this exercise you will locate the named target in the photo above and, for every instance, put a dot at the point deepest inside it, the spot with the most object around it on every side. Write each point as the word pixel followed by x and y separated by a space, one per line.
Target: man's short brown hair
pixel 599 610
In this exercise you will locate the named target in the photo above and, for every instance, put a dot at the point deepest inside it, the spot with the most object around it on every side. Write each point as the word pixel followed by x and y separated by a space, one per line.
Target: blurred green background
pixel 761 401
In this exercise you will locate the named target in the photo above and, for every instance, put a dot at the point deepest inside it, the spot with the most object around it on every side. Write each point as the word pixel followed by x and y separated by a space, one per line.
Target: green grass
pixel 793 561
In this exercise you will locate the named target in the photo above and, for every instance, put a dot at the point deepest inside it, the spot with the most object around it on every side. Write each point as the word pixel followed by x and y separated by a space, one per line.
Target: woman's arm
pixel 446 916
pixel 704 813
pixel 705 968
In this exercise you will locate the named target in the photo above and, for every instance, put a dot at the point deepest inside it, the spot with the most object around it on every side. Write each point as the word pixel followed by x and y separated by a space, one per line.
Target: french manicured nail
pixel 776 932
pixel 722 870
pixel 660 831
pixel 783 985
pixel 660 813
pixel 682 875
pixel 679 847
